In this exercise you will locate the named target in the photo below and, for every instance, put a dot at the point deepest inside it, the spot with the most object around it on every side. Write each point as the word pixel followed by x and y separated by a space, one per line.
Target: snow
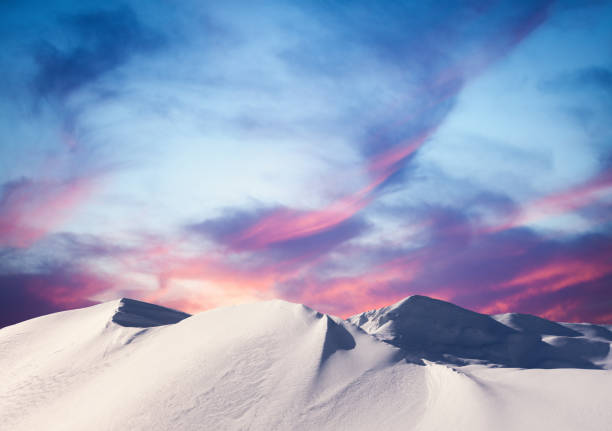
pixel 142 315
pixel 534 325
pixel 426 328
pixel 277 365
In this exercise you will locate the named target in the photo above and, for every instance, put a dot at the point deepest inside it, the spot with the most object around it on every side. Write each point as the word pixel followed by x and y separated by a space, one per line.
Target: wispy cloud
pixel 105 40
pixel 563 202
pixel 26 295
pixel 388 150
pixel 223 108
pixel 29 209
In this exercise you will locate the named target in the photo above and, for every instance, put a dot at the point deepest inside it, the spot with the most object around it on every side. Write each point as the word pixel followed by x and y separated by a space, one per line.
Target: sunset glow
pixel 199 155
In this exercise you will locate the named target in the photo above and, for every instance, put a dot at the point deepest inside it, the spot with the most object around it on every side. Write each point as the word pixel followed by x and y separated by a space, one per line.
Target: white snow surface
pixel 128 365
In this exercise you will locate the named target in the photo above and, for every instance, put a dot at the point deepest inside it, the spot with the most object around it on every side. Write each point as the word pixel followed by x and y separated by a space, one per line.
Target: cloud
pixel 586 301
pixel 454 258
pixel 58 272
pixel 104 41
pixel 275 257
pixel 345 295
pixel 419 60
pixel 439 76
pixel 61 250
pixel 24 296
pixel 595 78
pixel 580 196
pixel 30 209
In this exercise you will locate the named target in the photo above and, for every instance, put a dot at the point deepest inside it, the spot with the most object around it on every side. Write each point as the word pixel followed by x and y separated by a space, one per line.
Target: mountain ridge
pixel 424 328
pixel 280 365
pixel 436 330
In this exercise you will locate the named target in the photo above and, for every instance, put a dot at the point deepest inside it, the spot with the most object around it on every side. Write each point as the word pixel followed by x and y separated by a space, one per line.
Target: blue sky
pixel 341 154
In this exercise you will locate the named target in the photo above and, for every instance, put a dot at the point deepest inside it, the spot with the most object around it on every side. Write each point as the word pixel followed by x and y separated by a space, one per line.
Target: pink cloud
pixel 31 209
pixel 565 201
pixel 286 224
pixel 545 279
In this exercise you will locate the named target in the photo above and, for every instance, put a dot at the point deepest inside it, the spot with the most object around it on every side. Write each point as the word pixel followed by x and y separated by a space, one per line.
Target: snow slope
pixel 277 365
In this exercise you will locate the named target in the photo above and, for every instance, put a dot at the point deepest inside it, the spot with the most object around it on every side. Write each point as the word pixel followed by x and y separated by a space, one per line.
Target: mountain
pixel 426 328
pixel 420 364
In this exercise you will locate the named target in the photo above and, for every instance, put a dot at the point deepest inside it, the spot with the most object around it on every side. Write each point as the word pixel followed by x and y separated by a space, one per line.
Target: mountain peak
pixel 133 313
pixel 422 301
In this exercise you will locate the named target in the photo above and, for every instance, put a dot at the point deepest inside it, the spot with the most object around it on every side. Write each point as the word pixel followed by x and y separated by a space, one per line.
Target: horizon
pixel 339 156
pixel 248 303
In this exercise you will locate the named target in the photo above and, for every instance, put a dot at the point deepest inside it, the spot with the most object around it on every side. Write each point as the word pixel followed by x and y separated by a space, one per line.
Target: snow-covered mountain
pixel 420 364
pixel 426 328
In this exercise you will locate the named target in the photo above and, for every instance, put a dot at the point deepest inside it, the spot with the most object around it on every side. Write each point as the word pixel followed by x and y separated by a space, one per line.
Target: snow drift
pixel 420 364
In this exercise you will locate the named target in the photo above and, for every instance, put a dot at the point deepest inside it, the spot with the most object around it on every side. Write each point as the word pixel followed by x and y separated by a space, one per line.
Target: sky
pixel 343 155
